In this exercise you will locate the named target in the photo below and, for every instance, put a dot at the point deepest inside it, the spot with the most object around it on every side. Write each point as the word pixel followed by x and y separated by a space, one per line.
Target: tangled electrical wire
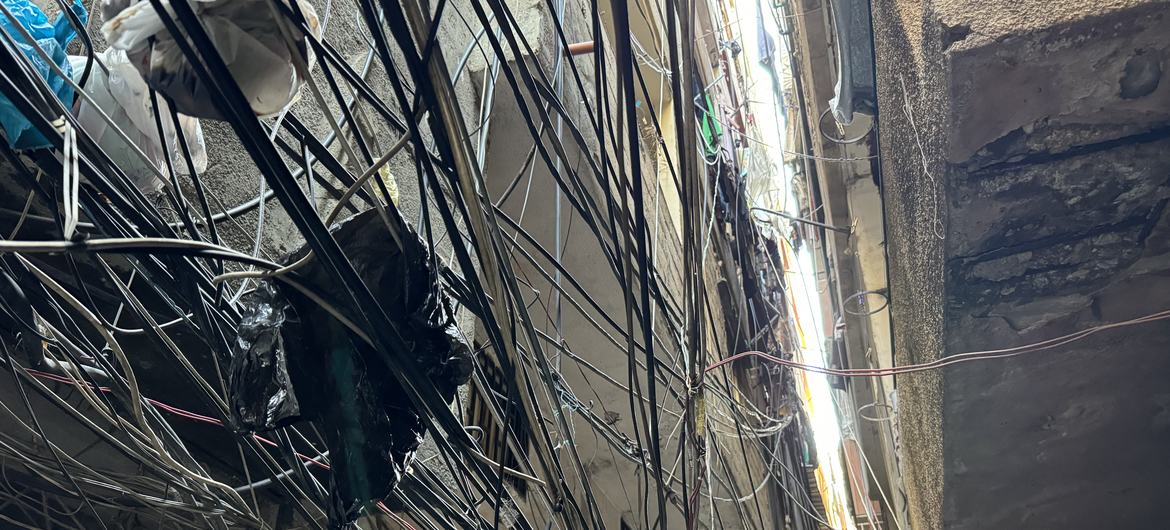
pixel 125 279
pixel 950 360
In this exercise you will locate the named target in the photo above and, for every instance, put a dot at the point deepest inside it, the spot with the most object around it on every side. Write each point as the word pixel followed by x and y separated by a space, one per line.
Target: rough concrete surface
pixel 1086 80
pixel 911 149
pixel 1036 134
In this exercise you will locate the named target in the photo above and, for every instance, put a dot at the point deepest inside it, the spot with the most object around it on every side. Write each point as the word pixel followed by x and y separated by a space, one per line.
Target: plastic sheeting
pixel 247 36
pixel 124 96
pixel 292 360
pixel 259 383
pixel 52 37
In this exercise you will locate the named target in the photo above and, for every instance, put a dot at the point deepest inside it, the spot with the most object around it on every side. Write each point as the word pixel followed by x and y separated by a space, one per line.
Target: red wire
pixel 847 372
pixel 214 421
pixel 949 360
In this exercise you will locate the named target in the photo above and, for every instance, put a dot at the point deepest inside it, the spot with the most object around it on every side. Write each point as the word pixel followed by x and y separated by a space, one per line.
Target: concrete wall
pixel 845 178
pixel 1035 133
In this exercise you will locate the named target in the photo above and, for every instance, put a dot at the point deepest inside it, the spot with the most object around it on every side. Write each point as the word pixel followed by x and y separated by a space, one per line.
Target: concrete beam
pixel 1025 164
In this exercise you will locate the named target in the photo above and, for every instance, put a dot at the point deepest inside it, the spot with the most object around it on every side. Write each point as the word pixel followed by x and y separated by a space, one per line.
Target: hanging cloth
pixel 123 95
pixel 247 35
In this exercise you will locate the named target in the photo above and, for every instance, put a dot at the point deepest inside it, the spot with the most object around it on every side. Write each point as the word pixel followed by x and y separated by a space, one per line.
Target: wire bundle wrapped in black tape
pixel 293 361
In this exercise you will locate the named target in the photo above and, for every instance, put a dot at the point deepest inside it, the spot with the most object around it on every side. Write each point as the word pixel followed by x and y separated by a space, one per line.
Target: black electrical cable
pixel 323 245
pixel 177 276
pixel 441 144
pixel 626 65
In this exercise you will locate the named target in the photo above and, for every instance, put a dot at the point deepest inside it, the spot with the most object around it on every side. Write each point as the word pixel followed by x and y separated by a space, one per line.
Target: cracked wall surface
pixel 1038 135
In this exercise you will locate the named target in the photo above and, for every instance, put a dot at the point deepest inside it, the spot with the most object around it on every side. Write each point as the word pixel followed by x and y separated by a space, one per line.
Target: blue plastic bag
pixel 52 38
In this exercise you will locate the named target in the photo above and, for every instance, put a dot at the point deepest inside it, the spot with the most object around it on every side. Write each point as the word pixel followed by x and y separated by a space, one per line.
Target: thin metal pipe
pixel 845 231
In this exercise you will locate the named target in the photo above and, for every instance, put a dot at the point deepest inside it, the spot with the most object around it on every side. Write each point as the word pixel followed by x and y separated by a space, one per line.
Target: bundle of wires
pixel 92 253
pixel 135 300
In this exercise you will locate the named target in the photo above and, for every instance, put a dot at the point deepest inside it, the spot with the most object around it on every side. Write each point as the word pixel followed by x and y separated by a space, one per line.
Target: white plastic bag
pixel 245 33
pixel 125 98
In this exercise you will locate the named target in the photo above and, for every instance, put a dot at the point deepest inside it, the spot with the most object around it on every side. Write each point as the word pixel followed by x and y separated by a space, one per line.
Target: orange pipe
pixel 581 48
